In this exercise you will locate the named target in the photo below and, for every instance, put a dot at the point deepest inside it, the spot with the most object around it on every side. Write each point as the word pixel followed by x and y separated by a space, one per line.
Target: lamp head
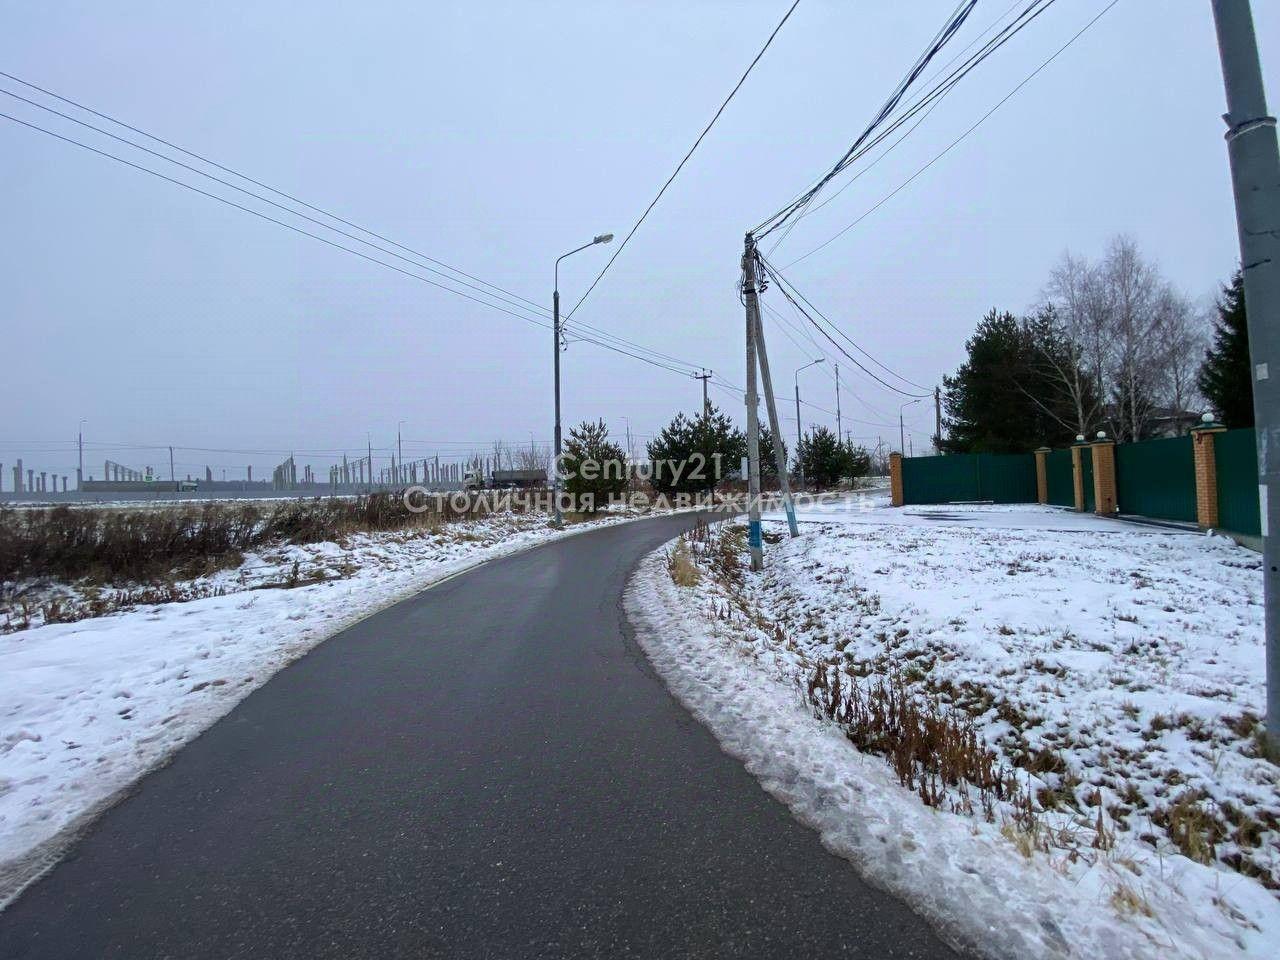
pixel 603 238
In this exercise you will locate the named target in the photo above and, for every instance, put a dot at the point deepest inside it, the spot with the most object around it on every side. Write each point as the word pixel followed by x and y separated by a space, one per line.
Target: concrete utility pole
pixel 171 476
pixel 755 541
pixel 775 425
pixel 80 448
pixel 937 418
pixel 756 352
pixel 704 376
pixel 1255 175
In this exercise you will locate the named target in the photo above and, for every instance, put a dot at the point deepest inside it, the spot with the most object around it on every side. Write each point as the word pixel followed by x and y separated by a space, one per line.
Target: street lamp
pixel 902 434
pixel 555 346
pixel 799 465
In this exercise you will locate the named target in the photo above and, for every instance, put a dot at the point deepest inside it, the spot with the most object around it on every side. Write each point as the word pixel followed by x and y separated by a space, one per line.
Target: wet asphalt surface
pixel 489 769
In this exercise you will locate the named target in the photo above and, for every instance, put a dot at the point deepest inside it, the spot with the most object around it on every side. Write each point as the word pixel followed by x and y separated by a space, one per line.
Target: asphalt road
pixel 489 769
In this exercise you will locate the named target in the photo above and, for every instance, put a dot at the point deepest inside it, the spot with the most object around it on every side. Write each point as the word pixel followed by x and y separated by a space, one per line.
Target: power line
pixel 948 30
pixel 783 286
pixel 680 165
pixel 249 179
pixel 338 246
pixel 954 143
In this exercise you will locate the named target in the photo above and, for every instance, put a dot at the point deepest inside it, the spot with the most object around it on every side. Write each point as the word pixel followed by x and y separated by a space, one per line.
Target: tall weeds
pixel 141 545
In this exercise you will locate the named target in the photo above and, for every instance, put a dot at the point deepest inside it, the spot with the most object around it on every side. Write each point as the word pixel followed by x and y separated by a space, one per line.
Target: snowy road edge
pixel 930 860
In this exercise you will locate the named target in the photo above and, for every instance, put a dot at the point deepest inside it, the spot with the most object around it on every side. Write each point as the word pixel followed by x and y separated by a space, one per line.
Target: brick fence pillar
pixel 1104 477
pixel 1206 475
pixel 895 479
pixel 1042 475
pixel 1077 477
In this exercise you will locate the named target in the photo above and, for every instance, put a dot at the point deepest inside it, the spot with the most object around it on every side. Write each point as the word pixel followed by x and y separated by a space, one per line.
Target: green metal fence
pixel 1236 459
pixel 1059 481
pixel 1157 478
pixel 966 477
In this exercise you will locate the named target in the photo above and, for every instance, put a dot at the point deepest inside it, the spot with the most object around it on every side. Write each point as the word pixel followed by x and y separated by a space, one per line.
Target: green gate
pixel 1236 460
pixel 1157 478
pixel 1059 480
pixel 967 477
pixel 1086 478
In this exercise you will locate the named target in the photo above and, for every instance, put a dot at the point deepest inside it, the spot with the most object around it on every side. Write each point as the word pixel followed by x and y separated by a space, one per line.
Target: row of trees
pixel 693 455
pixel 1113 346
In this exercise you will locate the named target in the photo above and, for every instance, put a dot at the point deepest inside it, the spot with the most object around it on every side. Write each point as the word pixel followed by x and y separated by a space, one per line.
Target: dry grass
pixel 148 545
pixel 935 751
pixel 1128 902
pixel 684 573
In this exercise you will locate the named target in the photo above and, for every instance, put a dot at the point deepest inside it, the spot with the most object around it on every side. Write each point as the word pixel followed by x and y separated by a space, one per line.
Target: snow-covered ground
pixel 1112 675
pixel 88 707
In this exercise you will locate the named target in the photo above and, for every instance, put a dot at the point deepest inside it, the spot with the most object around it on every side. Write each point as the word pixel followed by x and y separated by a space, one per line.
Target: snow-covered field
pixel 88 707
pixel 1112 803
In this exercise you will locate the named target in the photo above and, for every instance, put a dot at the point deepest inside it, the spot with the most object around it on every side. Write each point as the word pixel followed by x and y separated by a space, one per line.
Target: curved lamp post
pixel 555 345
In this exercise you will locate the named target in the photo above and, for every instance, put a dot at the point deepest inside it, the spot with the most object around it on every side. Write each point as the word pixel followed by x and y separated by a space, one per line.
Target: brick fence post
pixel 1077 474
pixel 1104 477
pixel 895 479
pixel 1042 475
pixel 1206 474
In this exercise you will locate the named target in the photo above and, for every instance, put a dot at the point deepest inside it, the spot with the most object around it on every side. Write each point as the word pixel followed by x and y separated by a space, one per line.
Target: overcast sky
pixel 495 137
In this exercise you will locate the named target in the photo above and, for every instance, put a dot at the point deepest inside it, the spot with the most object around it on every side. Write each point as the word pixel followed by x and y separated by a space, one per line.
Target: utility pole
pixel 756 352
pixel 80 448
pixel 1255 176
pixel 937 418
pixel 704 376
pixel 171 476
pixel 369 444
pixel 775 426
pixel 754 538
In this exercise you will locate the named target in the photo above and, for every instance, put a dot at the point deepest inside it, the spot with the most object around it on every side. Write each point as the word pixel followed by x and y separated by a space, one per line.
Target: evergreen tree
pixel 1225 379
pixel 691 455
pixel 1000 400
pixel 768 462
pixel 595 468
pixel 822 457
pixel 857 460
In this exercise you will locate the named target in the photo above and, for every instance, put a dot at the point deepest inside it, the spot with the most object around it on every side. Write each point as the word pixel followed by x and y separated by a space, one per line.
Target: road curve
pixel 488 769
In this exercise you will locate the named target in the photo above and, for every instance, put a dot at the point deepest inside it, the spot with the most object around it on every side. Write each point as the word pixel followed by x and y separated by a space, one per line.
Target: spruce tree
pixel 1225 379
pixel 1001 400
pixel 595 467
pixel 823 457
pixel 691 455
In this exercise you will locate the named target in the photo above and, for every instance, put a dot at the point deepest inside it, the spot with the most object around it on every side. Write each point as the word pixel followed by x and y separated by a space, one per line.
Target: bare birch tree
pixel 1073 353
pixel 1131 284
pixel 1181 334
